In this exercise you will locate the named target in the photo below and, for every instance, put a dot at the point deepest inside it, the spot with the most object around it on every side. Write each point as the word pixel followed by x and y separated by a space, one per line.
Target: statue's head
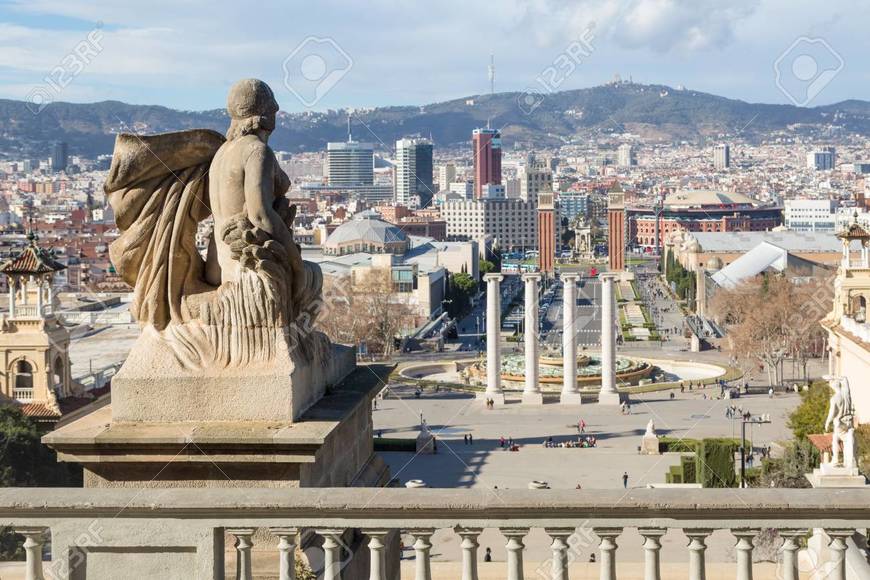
pixel 252 107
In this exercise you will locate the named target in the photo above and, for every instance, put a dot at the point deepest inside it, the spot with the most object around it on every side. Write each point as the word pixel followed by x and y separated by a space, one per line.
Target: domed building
pixel 366 232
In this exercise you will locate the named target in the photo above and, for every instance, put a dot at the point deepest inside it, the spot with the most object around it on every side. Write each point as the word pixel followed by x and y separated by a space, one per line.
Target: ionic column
pixel 790 548
pixel 493 338
pixel 34 538
pixel 286 552
pixel 469 547
pixel 652 548
pixel 515 549
pixel 243 552
pixel 532 391
pixel 422 546
pixel 608 395
pixel 377 554
pixel 570 392
pixel 838 552
pixel 697 549
pixel 744 549
pixel 560 551
pixel 331 553
pixel 607 548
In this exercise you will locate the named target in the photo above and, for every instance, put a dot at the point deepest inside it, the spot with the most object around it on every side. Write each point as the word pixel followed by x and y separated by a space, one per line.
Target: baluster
pixel 469 551
pixel 286 552
pixel 422 545
pixel 243 552
pixel 838 547
pixel 608 551
pixel 515 549
pixel 697 549
pixel 744 552
pixel 33 539
pixel 332 546
pixel 377 554
pixel 560 551
pixel 652 547
pixel 790 547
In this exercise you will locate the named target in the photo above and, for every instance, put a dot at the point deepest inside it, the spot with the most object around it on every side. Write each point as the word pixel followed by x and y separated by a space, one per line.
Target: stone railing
pixel 179 533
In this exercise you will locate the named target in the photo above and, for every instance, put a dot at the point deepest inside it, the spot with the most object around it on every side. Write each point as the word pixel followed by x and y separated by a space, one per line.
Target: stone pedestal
pixel 835 476
pixel 649 445
pixel 533 399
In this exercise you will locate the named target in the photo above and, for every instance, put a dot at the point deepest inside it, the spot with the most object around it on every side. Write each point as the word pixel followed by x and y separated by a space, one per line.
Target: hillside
pixel 652 111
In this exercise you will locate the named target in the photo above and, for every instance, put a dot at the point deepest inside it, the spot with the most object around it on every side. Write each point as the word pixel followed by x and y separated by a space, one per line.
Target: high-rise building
pixel 626 156
pixel 722 156
pixel 546 232
pixel 822 159
pixel 486 153
pixel 59 157
pixel 616 230
pixel 350 164
pixel 534 177
pixel 446 175
pixel 413 172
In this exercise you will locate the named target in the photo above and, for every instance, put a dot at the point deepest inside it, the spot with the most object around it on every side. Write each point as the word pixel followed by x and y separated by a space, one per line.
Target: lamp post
pixel 759 420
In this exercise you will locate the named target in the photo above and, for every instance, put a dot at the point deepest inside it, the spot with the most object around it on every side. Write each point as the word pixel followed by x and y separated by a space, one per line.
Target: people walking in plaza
pixel 625 480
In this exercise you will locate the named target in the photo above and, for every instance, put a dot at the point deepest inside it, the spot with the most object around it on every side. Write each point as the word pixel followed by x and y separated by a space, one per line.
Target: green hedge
pixel 689 468
pixel 395 444
pixel 674 475
pixel 715 462
pixel 675 445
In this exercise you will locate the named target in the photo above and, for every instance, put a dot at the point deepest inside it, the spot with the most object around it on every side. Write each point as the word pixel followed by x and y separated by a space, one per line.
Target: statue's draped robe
pixel 158 188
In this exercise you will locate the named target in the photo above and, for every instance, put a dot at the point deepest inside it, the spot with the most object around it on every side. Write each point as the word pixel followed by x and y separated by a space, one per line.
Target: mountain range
pixel 653 112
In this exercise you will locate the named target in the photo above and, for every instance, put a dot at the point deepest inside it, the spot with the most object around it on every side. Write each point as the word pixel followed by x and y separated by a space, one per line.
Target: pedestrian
pixel 488 556
pixel 625 480
pixel 510 441
pixel 470 439
pixel 465 439
pixel 770 393
pixel 501 441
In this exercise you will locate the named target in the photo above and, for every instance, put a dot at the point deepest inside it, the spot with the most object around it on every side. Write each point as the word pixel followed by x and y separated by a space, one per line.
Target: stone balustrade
pixel 179 533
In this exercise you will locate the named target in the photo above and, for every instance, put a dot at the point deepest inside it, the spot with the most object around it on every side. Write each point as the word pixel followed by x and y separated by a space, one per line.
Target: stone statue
pixel 253 296
pixel 650 429
pixel 840 420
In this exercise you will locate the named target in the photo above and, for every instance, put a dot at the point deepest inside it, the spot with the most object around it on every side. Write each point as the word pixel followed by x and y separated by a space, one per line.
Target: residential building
pixel 534 177
pixel 722 156
pixel 626 155
pixel 446 175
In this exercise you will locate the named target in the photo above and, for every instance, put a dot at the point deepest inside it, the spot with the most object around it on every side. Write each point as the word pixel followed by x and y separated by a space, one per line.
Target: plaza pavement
pixel 484 465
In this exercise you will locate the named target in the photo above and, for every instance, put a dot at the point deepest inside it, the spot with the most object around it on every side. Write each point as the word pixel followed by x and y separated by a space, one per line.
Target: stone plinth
pixel 330 446
pixel 649 445
pixel 533 398
pixel 153 387
pixel 835 476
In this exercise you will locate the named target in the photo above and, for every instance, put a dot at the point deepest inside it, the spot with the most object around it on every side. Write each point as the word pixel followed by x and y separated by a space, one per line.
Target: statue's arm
pixel 832 409
pixel 260 195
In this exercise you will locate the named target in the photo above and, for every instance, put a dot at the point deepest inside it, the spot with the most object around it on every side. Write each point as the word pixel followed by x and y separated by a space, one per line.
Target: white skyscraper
pixel 722 156
pixel 626 156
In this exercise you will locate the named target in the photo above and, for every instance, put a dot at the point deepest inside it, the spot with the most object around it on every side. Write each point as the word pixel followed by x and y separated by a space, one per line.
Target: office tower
pixel 722 156
pixel 446 175
pixel 822 159
pixel 413 172
pixel 486 153
pixel 616 230
pixel 350 164
pixel 534 178
pixel 546 232
pixel 59 157
pixel 626 156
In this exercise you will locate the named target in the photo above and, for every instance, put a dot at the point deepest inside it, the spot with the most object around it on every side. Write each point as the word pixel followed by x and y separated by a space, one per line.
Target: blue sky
pixel 185 54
